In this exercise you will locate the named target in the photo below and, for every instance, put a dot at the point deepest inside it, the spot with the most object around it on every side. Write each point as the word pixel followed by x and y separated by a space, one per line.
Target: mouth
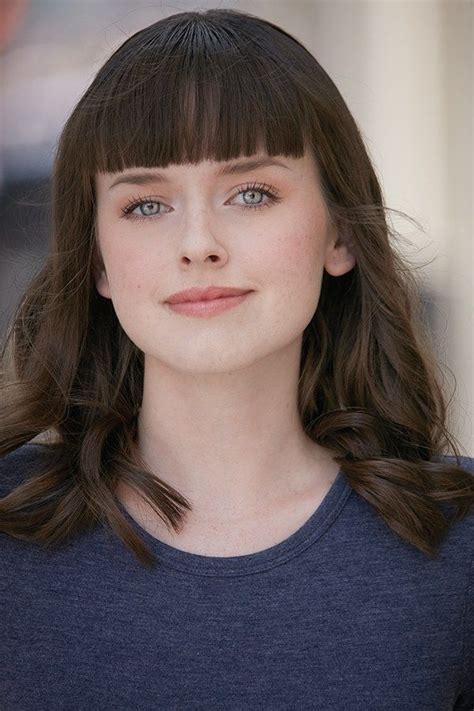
pixel 209 307
pixel 196 293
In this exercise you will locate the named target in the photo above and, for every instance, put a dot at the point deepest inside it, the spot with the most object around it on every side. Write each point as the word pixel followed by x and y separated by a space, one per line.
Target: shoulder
pixel 458 543
pixel 17 466
pixel 467 465
pixel 464 526
pixel 465 462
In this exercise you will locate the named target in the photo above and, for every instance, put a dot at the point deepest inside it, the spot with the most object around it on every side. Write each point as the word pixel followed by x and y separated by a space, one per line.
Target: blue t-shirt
pixel 343 615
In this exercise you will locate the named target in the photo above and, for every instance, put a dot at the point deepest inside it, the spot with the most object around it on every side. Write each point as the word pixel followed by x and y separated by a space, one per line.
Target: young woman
pixel 238 497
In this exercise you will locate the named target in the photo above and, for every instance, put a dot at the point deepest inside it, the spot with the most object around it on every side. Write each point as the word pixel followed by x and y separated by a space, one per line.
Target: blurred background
pixel 405 69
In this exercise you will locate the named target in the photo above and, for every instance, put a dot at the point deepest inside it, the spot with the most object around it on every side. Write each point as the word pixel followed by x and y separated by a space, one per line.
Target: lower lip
pixel 208 308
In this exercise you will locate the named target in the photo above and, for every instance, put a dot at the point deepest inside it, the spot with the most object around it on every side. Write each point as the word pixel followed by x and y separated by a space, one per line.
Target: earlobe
pixel 100 277
pixel 102 284
pixel 340 257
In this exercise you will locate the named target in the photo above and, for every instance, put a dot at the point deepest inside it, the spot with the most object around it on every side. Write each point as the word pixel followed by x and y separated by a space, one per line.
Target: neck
pixel 234 438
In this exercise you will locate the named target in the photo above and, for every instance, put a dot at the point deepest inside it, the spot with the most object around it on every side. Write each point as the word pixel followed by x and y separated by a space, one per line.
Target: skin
pixel 219 417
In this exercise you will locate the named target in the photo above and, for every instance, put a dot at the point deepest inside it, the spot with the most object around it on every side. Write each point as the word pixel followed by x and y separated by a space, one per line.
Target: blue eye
pixel 148 208
pixel 263 189
pixel 148 205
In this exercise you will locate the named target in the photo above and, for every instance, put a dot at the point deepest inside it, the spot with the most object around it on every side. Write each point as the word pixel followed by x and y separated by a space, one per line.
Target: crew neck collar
pixel 308 533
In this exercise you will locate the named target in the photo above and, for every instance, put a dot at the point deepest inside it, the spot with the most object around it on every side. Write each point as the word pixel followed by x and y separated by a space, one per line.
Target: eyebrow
pixel 228 169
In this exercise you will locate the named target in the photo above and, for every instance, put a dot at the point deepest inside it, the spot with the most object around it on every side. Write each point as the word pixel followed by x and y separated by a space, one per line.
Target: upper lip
pixel 210 292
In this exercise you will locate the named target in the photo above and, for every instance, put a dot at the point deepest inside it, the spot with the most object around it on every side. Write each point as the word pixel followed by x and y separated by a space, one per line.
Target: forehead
pixel 140 175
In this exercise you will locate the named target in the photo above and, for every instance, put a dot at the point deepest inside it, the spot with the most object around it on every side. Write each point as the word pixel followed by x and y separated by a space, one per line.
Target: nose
pixel 200 241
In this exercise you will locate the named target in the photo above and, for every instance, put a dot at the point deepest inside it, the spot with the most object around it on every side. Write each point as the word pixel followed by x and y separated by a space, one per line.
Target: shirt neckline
pixel 308 533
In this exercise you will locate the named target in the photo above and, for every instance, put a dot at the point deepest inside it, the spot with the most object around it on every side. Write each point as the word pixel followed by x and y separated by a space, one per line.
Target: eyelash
pixel 268 190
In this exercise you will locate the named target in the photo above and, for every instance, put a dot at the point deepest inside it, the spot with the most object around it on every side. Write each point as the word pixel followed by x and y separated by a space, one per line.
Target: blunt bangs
pixel 187 92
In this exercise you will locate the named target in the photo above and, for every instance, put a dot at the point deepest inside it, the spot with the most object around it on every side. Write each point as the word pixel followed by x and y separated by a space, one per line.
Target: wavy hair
pixel 216 84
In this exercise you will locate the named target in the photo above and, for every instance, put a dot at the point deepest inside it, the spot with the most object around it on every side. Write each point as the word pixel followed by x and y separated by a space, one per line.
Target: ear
pixel 100 275
pixel 340 256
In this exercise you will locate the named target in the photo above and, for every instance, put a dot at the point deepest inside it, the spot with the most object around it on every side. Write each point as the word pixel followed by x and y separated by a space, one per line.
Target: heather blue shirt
pixel 343 615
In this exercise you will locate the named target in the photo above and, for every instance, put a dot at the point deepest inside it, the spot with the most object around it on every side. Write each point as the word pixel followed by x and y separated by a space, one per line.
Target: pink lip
pixel 210 307
pixel 211 292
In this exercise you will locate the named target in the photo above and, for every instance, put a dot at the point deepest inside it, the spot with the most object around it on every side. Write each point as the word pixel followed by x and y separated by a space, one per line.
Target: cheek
pixel 133 277
pixel 125 257
pixel 298 261
pixel 295 270
pixel 133 284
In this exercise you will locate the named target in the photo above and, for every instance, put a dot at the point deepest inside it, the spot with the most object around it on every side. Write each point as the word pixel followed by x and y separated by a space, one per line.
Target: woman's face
pixel 196 227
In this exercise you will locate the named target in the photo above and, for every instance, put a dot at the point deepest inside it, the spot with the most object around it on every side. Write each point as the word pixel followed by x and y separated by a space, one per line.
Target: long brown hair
pixel 215 84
